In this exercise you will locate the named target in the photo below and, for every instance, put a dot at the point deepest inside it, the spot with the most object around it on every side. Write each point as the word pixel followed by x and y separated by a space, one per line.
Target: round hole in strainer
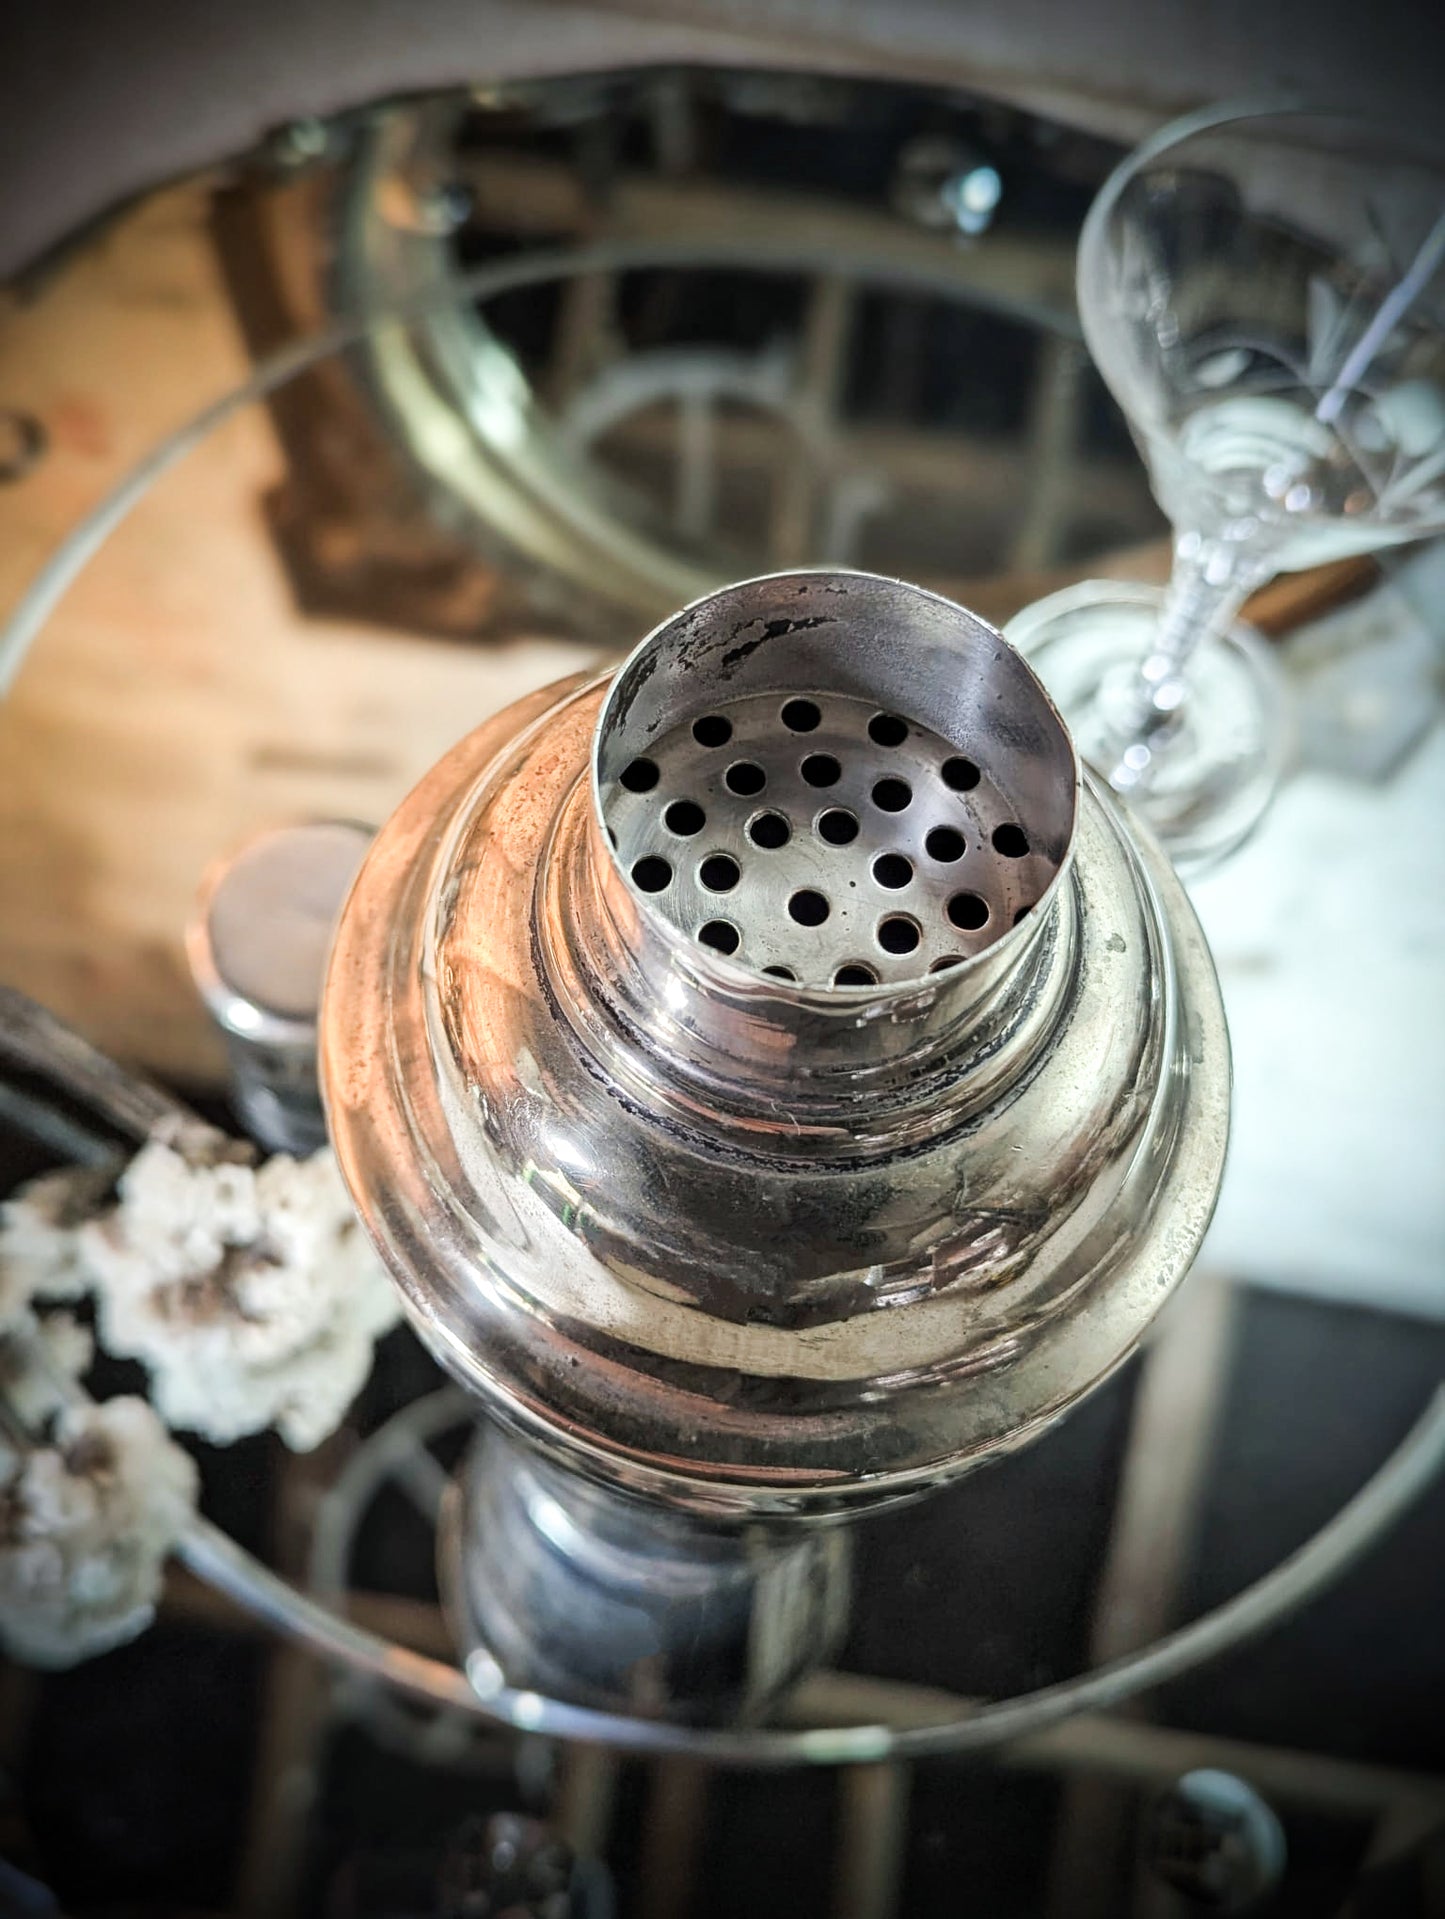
pixel 801 716
pixel 821 769
pixel 1010 840
pixel 640 775
pixel 685 817
pixel 968 911
pixel 745 777
pixel 719 873
pixel 886 729
pixel 855 973
pixel 838 826
pixel 769 830
pixel 651 873
pixel 712 730
pixel 960 774
pixel 808 907
pixel 945 845
pixel 898 934
pixel 721 935
pixel 892 870
pixel 892 795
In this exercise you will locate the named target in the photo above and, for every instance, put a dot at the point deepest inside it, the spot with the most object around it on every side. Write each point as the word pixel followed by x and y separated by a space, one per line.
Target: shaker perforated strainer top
pixel 859 786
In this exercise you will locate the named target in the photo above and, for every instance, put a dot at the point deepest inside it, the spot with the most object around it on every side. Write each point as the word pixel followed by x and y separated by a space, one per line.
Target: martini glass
pixel 1263 289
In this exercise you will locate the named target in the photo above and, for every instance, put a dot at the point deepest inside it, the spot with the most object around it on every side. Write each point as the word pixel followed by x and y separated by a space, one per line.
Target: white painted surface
pixel 1329 934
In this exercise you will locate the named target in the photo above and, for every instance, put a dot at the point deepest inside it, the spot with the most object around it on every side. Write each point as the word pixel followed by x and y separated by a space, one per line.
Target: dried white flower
pixel 250 1292
pixel 39 1238
pixel 41 1361
pixel 85 1525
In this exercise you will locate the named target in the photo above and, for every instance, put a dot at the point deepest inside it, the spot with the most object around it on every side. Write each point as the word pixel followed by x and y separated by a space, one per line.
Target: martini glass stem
pixel 1209 582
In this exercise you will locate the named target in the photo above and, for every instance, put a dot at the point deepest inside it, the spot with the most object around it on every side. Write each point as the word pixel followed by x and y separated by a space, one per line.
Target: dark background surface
pixel 100 101
pixel 134 1789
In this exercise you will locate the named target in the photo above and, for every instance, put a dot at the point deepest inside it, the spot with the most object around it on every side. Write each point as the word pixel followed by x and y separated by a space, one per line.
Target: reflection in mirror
pixel 834 324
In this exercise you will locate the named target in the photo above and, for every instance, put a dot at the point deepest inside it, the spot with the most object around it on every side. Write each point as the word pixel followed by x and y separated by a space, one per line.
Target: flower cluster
pixel 85 1524
pixel 249 1291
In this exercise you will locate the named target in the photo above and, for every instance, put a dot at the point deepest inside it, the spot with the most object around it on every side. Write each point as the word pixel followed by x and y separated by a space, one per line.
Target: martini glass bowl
pixel 1263 289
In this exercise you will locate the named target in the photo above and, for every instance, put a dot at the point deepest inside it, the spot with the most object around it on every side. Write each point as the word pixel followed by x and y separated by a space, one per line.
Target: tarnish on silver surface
pixel 752 1248
pixel 744 1243
pixel 826 795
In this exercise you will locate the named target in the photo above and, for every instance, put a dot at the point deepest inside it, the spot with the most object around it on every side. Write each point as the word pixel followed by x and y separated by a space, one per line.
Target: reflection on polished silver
pixel 257 947
pixel 582 1593
pixel 753 1249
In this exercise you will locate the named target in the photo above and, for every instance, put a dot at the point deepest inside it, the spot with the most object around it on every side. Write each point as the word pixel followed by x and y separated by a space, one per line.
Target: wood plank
pixel 178 701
